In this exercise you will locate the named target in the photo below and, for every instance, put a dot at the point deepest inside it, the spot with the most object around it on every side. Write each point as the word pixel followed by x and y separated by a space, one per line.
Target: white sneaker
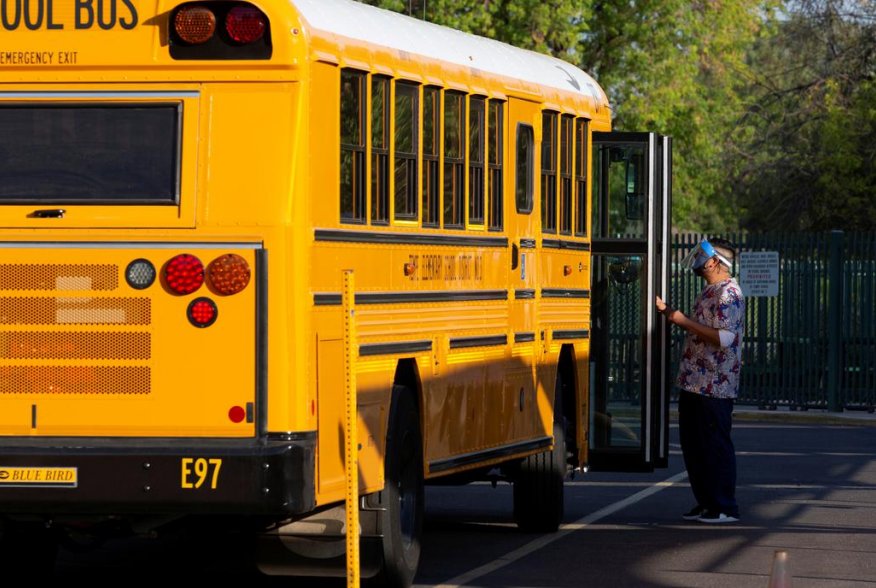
pixel 715 517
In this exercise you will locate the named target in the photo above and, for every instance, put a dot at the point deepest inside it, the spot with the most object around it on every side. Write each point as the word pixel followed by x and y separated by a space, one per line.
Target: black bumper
pixel 72 476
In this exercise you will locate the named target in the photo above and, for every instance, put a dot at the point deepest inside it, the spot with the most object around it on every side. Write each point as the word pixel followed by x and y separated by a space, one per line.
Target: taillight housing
pixel 202 312
pixel 228 274
pixel 184 274
pixel 220 31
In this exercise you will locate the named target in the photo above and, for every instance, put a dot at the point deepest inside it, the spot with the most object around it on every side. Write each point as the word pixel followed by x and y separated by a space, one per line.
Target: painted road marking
pixel 542 542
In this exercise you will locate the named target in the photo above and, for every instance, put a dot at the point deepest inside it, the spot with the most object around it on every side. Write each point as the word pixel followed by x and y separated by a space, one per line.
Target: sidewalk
pixel 812 416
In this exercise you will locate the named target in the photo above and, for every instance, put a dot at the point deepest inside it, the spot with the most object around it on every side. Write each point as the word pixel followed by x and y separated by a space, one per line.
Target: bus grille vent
pixel 76 338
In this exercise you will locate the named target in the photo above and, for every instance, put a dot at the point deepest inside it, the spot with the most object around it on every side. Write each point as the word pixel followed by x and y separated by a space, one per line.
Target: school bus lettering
pixel 106 14
pixel 35 15
pixel 196 471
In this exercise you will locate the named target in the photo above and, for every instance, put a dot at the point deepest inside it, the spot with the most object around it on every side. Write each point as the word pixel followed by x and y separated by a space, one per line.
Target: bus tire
pixel 538 488
pixel 401 500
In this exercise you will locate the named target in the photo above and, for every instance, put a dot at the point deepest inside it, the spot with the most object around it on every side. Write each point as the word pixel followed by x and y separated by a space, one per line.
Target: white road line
pixel 545 540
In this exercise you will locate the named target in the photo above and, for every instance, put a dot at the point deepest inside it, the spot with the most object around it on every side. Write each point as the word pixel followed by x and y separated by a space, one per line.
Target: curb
pixel 810 417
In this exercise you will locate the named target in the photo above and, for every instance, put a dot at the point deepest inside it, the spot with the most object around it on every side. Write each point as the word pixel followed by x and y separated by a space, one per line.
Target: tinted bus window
pixel 407 118
pixel 525 177
pixel 352 146
pixel 92 153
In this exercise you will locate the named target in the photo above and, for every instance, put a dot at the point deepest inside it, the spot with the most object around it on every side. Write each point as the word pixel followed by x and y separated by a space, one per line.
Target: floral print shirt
pixel 706 369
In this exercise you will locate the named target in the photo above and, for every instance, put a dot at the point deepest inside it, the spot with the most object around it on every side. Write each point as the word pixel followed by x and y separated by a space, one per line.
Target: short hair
pixel 725 248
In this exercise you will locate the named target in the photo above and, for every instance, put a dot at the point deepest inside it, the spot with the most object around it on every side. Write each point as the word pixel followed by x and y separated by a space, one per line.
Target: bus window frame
pixel 458 187
pixel 529 187
pixel 109 214
pixel 496 165
pixel 411 158
pixel 549 194
pixel 379 157
pixel 432 161
pixel 354 149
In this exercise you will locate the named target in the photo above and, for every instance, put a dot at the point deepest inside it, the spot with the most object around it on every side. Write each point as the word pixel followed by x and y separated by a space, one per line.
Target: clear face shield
pixel 699 255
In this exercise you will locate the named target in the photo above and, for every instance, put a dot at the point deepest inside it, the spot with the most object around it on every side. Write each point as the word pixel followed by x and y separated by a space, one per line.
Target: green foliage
pixel 809 135
pixel 770 104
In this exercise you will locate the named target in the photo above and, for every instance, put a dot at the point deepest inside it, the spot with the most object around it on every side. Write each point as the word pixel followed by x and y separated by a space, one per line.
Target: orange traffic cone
pixel 780 577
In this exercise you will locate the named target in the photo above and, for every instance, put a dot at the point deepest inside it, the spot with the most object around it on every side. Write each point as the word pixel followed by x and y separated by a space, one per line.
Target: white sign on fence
pixel 759 273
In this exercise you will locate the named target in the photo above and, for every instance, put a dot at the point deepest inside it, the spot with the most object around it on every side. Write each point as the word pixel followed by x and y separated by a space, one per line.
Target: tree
pixel 806 152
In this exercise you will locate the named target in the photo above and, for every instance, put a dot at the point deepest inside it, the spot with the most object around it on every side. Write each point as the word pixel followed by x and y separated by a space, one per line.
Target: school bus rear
pixel 137 210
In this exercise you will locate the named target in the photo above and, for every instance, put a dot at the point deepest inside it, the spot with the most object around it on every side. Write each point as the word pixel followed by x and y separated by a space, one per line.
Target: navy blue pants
pixel 704 427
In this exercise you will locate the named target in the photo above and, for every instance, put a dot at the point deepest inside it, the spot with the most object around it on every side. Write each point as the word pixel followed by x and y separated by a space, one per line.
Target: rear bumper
pixel 273 476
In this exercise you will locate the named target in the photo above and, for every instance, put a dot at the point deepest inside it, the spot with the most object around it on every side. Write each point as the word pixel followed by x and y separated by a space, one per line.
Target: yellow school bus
pixel 182 186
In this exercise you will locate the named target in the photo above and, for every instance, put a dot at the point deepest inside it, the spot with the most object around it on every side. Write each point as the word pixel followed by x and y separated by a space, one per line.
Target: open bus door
pixel 629 353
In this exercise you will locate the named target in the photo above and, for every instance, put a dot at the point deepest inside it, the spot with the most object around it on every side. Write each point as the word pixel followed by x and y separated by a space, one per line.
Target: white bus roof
pixel 377 26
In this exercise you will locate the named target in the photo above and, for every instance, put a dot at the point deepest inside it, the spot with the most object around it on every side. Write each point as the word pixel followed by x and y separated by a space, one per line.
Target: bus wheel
pixel 401 500
pixel 538 488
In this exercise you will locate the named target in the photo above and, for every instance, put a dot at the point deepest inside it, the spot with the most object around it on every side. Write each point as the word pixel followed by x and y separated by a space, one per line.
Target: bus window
pixel 566 174
pixel 407 117
pixel 581 177
pixel 93 154
pixel 379 150
pixel 549 172
pixel 476 161
pixel 454 158
pixel 352 146
pixel 496 157
pixel 525 176
pixel 431 145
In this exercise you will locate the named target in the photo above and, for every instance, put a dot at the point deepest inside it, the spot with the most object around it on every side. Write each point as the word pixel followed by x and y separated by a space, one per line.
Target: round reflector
pixel 202 312
pixel 194 24
pixel 245 24
pixel 229 274
pixel 184 274
pixel 236 414
pixel 140 274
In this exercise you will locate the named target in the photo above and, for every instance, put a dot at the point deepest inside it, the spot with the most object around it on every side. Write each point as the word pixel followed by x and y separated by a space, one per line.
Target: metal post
pixel 351 449
pixel 834 321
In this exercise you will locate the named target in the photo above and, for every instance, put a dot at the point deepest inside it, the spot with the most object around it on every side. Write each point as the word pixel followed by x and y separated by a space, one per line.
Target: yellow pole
pixel 351 449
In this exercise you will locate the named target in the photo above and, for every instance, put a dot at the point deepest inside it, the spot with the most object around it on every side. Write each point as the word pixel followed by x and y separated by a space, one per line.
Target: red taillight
pixel 229 274
pixel 184 274
pixel 202 312
pixel 245 24
pixel 195 24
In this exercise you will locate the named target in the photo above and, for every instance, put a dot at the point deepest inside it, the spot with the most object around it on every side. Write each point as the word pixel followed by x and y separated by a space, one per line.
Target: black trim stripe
pixel 489 341
pixel 391 348
pixel 327 299
pixel 563 244
pixel 524 294
pixel 333 299
pixel 527 243
pixel 380 237
pixel 564 293
pixel 572 334
pixel 524 337
pixel 442 465
pixel 261 399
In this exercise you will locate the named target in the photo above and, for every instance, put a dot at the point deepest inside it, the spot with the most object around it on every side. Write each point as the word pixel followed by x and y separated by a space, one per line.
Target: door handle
pixel 515 256
pixel 51 213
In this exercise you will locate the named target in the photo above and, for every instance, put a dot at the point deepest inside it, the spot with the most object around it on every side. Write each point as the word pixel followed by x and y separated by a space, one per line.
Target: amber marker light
pixel 245 24
pixel 194 24
pixel 567 270
pixel 410 269
pixel 229 274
